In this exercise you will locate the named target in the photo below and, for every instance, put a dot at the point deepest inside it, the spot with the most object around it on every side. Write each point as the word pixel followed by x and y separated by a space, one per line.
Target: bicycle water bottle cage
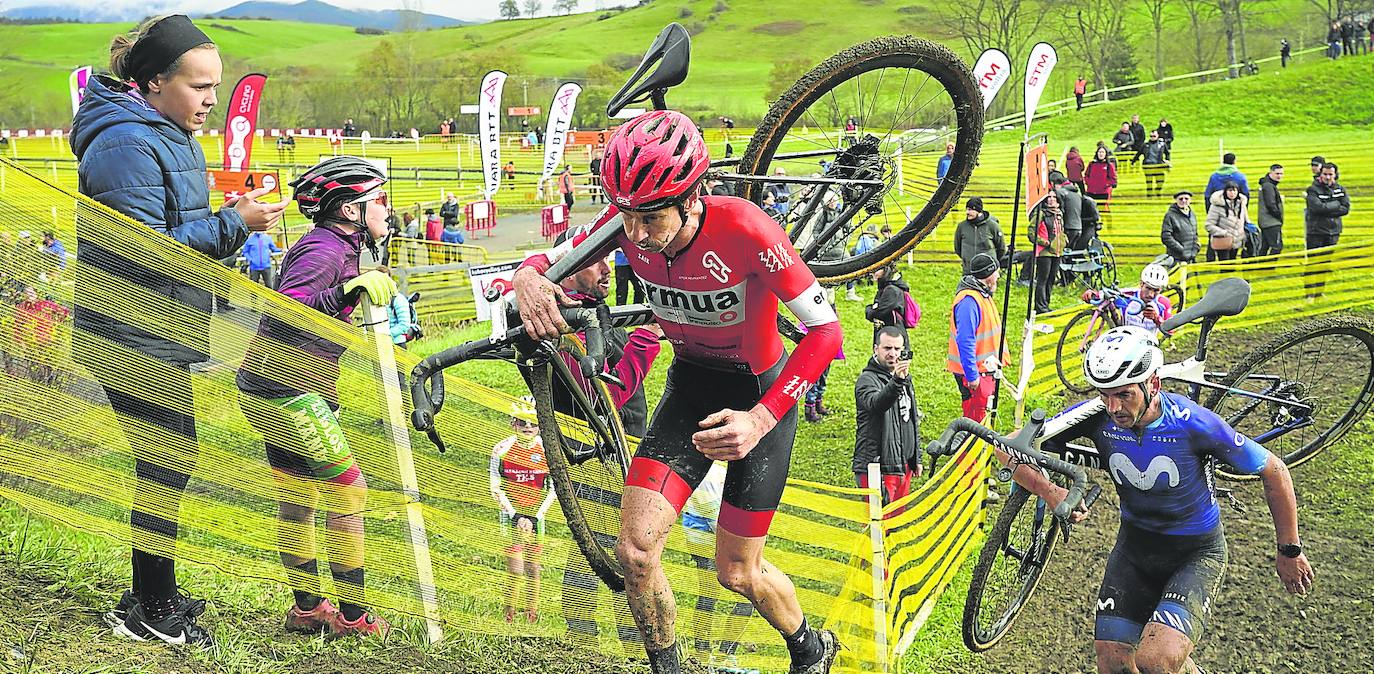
pixel 672 52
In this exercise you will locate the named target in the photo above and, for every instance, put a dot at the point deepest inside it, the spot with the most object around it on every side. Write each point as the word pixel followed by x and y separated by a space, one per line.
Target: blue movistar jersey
pixel 1161 475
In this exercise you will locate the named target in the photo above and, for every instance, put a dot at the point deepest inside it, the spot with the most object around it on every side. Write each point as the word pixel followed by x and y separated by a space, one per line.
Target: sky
pixel 459 9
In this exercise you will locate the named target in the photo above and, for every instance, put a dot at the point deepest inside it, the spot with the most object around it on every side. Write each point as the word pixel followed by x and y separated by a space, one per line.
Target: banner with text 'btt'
pixel 489 129
pixel 556 135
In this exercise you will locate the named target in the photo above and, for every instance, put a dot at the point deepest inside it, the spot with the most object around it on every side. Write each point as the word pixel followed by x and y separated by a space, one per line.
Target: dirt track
pixel 1255 625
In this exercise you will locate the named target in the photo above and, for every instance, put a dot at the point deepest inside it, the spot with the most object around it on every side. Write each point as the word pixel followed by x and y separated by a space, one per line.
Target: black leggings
pixel 160 479
pixel 1046 273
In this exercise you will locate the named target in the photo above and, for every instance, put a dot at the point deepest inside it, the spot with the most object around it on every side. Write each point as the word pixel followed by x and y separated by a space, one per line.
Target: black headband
pixel 162 45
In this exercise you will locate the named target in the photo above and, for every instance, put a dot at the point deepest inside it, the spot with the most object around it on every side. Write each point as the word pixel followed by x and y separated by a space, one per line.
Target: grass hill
pixel 737 45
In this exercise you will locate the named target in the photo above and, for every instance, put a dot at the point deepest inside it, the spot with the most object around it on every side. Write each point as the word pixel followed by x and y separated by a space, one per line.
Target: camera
pixel 905 355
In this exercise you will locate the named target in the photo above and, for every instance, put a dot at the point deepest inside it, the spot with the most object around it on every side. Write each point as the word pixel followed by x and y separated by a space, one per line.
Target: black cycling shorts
pixel 668 462
pixel 1153 577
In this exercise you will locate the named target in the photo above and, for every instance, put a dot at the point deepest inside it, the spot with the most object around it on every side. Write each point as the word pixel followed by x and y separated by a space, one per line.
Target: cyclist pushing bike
pixel 714 269
pixel 1170 554
pixel 1142 307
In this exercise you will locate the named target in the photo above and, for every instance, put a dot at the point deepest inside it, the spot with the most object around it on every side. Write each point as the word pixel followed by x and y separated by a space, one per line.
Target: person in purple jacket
pixel 288 391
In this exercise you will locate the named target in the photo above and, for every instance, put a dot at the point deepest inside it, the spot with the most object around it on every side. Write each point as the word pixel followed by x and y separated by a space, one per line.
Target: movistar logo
pixel 1123 470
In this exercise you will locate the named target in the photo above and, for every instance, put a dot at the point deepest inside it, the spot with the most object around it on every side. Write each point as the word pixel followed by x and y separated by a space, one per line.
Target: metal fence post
pixel 875 532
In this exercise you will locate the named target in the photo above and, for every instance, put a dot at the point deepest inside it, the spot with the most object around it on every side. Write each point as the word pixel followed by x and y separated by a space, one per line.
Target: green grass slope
pixel 736 45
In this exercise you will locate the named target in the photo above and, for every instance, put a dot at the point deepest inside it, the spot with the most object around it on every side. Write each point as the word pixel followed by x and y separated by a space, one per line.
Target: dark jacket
pixel 1124 140
pixel 448 212
pixel 1271 203
pixel 1071 203
pixel 1179 233
pixel 1138 133
pixel 983 235
pixel 1089 215
pixel 1325 207
pixel 889 306
pixel 1166 132
pixel 284 360
pixel 139 163
pixel 1153 152
pixel 886 420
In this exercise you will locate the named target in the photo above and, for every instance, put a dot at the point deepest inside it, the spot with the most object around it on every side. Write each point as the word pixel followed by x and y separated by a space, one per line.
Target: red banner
pixel 1037 176
pixel 241 121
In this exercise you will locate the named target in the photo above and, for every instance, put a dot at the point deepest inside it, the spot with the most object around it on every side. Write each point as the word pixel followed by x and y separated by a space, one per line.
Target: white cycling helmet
pixel 1155 276
pixel 523 408
pixel 1122 356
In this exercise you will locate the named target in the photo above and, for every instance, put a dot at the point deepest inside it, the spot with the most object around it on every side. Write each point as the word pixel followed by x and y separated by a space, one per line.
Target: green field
pixel 60 579
pixel 735 49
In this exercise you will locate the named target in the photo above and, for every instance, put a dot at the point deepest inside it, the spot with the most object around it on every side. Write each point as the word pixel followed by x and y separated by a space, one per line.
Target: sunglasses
pixel 379 196
pixel 521 423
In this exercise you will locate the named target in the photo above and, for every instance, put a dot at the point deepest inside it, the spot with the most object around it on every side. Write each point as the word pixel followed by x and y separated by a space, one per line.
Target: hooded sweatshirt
pixel 138 162
pixel 1218 180
pixel 889 306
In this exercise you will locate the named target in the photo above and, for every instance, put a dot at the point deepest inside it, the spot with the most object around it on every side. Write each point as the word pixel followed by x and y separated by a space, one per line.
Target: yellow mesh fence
pixel 1288 286
pixel 66 454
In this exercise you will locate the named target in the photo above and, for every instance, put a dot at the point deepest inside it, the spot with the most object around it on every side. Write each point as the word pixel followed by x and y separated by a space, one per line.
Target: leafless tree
pixel 1009 25
pixel 1200 14
pixel 1094 32
pixel 532 7
pixel 1155 8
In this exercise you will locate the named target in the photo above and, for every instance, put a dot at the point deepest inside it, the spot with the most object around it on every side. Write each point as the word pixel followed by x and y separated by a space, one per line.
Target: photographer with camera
pixel 888 420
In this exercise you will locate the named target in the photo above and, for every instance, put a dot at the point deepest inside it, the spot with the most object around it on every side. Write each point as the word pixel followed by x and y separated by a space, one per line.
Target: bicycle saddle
pixel 1226 297
pixel 672 51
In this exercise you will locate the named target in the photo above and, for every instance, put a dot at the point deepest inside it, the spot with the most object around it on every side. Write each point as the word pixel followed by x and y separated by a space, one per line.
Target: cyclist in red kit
pixel 714 269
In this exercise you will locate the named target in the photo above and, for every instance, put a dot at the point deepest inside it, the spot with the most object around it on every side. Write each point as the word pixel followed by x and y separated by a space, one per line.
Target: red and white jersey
pixel 717 298
pixel 518 472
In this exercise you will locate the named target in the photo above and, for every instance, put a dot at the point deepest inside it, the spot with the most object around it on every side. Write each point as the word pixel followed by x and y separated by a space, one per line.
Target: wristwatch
pixel 1290 550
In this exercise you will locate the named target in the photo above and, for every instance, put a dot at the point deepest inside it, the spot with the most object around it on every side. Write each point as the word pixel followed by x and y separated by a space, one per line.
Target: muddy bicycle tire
pixel 576 497
pixel 982 632
pixel 907 52
pixel 1359 331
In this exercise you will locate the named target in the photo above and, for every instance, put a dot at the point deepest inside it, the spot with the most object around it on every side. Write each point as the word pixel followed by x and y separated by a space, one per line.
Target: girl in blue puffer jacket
pixel 139 328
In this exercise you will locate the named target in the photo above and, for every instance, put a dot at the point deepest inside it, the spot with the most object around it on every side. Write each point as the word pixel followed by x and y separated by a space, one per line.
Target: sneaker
pixel 314 621
pixel 177 629
pixel 365 626
pixel 186 606
pixel 830 646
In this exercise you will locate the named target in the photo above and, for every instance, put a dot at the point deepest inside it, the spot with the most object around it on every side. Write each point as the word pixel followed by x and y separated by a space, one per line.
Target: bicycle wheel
pixel 1080 332
pixel 587 456
pixel 1177 296
pixel 1327 363
pixel 1108 266
pixel 1009 567
pixel 910 97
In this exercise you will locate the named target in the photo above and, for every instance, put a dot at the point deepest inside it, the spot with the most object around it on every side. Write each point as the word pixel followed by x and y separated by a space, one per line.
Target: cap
pixel 24 234
pixel 974 202
pixel 1318 160
pixel 1182 192
pixel 982 266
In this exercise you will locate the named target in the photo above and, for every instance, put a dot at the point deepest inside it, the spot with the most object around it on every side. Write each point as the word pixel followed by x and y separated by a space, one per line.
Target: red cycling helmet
pixel 654 161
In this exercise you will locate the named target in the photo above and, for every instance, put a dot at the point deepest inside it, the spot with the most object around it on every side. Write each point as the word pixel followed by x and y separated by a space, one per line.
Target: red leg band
pixel 657 476
pixel 745 523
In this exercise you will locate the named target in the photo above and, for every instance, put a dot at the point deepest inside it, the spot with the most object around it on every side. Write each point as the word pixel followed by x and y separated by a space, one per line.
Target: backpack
pixel 912 314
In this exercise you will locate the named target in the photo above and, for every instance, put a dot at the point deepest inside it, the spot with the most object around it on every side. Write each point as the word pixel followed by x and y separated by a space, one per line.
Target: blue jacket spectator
pixel 1228 171
pixel 258 249
pixel 942 167
pixel 53 247
pixel 138 162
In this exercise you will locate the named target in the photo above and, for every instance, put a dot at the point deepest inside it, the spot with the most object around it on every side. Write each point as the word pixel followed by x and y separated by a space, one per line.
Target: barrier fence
pixel 66 455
